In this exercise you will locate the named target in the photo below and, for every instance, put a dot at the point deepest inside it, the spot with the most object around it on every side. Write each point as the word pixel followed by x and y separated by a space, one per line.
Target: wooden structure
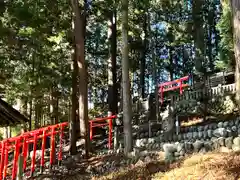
pixel 10 116
pixel 196 94
pixel 219 83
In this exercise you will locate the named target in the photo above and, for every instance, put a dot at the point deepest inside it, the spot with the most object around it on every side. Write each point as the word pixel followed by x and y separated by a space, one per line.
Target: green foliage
pixel 225 27
pixel 16 130
pixel 36 47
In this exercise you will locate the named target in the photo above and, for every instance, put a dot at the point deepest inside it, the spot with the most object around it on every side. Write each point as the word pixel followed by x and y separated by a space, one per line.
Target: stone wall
pixel 193 139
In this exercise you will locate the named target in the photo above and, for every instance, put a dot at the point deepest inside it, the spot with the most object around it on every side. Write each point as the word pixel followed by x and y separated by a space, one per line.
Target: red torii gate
pixel 164 87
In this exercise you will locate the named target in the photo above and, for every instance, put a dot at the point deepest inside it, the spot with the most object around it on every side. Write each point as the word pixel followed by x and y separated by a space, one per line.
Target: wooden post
pixel 3 144
pixel 110 124
pixel 20 168
pixel 91 130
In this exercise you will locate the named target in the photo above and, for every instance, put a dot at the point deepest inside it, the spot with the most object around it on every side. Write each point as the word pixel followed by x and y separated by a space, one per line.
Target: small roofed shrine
pixel 9 116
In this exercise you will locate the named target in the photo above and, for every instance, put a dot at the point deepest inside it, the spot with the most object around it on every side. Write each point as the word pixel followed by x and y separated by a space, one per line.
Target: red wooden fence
pixel 20 145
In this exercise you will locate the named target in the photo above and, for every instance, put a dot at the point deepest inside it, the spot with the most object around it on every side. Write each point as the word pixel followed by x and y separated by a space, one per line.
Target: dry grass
pixel 211 166
pixel 191 122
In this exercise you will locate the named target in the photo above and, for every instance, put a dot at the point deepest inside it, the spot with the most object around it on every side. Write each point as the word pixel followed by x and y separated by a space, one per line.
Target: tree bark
pixel 112 75
pixel 37 112
pixel 73 122
pixel 143 58
pixel 236 33
pixel 30 113
pixel 73 134
pixel 171 65
pixel 54 104
pixel 25 106
pixel 127 111
pixel 198 33
pixel 154 68
pixel 79 36
pixel 209 41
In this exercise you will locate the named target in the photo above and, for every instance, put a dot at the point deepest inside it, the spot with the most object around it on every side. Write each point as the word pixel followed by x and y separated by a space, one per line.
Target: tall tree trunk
pixel 37 112
pixel 30 113
pixel 73 133
pixel 210 53
pixel 170 37
pixel 154 68
pixel 215 31
pixel 171 68
pixel 25 106
pixel 79 35
pixel 209 38
pixel 54 104
pixel 198 33
pixel 112 75
pixel 236 34
pixel 143 58
pixel 31 93
pixel 127 109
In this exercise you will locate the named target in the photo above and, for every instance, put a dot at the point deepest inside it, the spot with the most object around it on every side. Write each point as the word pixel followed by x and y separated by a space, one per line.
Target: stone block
pixel 236 148
pixel 208 145
pixel 200 128
pixel 206 127
pixel 169 148
pixel 216 144
pixel 189 135
pixel 225 124
pixel 220 132
pixel 221 141
pixel 205 135
pixel 220 125
pixel 229 142
pixel 197 145
pixel 200 134
pixel 231 123
pixel 195 135
pixel 169 157
pixel 180 147
pixel 188 147
pixel 236 122
pixel 210 133
pixel 236 141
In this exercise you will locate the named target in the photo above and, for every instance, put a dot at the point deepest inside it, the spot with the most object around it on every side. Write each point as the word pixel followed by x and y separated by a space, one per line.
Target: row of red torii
pixel 20 144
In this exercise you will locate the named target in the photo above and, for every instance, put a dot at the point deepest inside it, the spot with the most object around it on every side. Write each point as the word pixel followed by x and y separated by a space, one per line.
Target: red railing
pixel 20 146
pixel 179 82
pixel 22 142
